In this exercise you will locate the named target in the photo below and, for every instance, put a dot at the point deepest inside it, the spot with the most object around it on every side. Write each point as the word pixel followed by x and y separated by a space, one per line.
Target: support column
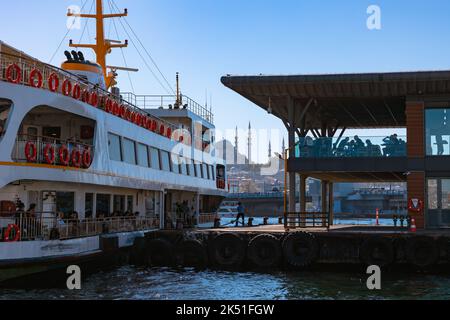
pixel 331 203
pixel 302 190
pixel 197 208
pixel 162 210
pixel 324 200
pixel 292 185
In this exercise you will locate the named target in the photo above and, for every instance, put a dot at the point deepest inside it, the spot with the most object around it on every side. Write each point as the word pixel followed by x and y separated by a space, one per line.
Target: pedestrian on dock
pixel 241 214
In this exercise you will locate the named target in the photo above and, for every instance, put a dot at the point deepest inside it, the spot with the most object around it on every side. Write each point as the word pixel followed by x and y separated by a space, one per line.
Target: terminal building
pixel 317 111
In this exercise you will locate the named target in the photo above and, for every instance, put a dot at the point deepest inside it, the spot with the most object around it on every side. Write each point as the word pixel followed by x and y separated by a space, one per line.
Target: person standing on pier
pixel 241 214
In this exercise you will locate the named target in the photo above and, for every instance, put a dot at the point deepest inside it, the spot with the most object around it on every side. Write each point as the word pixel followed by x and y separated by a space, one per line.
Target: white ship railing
pixel 19 151
pixel 169 102
pixel 27 66
pixel 48 227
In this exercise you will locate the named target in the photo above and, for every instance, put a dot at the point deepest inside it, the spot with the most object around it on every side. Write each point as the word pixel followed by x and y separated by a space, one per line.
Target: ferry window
pixel 130 203
pixel 142 155
pixel 115 152
pixel 119 204
pixel 175 163
pixel 129 151
pixel 88 205
pixel 103 204
pixel 433 194
pixel 52 132
pixel 437 132
pixel 154 159
pixel 65 202
pixel 205 171
pixel 200 172
pixel 212 172
pixel 191 166
pixel 165 161
pixel 4 113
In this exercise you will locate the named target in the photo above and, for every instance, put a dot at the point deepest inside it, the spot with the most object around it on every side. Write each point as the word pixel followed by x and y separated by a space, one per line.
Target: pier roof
pixel 368 100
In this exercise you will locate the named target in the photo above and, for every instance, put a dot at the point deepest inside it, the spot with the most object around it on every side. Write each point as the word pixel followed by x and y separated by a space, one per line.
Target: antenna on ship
pixel 178 102
pixel 103 46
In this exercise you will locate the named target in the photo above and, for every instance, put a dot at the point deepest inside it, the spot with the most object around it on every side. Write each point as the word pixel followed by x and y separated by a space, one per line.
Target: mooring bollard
pixel 280 220
pixel 395 219
pixel 217 223
pixel 402 221
pixel 266 221
pixel 250 222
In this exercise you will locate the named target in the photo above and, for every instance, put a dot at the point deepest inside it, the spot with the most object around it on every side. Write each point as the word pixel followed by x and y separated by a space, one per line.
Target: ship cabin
pixel 72 149
pixel 412 108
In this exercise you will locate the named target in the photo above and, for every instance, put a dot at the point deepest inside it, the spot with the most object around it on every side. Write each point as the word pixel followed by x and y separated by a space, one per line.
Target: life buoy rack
pixel 64 155
pixel 76 93
pixel 49 154
pixel 16 229
pixel 87 158
pixel 53 82
pixel 18 73
pixel 76 158
pixel 66 87
pixel 123 111
pixel 85 96
pixel 33 74
pixel 415 205
pixel 108 105
pixel 31 152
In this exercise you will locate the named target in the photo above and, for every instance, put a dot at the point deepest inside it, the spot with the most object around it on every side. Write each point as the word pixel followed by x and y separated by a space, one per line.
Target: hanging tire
pixel 192 253
pixel 138 254
pixel 264 251
pixel 160 253
pixel 300 249
pixel 377 251
pixel 228 250
pixel 422 252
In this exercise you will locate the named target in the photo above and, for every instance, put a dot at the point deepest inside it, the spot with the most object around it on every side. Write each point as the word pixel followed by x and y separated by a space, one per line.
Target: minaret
pixel 249 152
pixel 270 150
pixel 236 147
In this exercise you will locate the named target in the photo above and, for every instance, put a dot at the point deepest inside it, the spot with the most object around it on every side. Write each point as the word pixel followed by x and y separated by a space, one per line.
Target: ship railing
pixel 28 65
pixel 49 227
pixel 41 143
pixel 178 220
pixel 207 218
pixel 299 220
pixel 169 102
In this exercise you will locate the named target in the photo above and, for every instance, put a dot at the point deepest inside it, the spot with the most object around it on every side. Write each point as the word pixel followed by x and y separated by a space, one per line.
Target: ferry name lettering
pixel 374 281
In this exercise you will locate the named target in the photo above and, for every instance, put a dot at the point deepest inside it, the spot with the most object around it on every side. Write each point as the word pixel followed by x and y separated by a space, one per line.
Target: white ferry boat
pixel 86 169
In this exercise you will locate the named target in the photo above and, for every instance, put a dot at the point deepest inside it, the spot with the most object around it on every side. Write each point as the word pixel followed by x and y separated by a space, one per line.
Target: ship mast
pixel 103 46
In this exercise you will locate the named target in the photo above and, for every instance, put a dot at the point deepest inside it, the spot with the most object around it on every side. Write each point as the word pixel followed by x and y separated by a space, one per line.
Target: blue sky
pixel 206 39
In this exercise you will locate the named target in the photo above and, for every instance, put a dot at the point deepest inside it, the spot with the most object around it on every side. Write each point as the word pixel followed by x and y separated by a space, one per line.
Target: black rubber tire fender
pixel 300 249
pixel 264 251
pixel 228 250
pixel 160 253
pixel 422 252
pixel 139 254
pixel 377 251
pixel 192 253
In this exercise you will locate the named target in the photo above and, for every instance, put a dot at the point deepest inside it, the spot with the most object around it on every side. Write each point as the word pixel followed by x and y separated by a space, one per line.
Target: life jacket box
pixel 7 208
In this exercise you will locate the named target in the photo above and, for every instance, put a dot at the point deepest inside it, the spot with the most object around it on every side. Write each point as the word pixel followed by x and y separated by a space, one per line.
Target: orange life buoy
pixel 123 111
pixel 169 133
pixel 76 158
pixel 87 159
pixel 162 130
pixel 66 87
pixel 116 108
pixel 10 228
pixel 9 73
pixel 76 93
pixel 94 99
pixel 49 154
pixel 132 116
pixel 33 74
pixel 137 119
pixel 128 114
pixel 108 105
pixel 415 205
pixel 53 82
pixel 154 125
pixel 85 96
pixel 64 155
pixel 30 152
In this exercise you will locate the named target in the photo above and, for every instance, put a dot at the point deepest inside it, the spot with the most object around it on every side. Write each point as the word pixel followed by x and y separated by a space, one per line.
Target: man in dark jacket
pixel 241 214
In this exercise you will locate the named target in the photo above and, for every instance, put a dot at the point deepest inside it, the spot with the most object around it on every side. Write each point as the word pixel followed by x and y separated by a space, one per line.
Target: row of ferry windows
pixel 129 151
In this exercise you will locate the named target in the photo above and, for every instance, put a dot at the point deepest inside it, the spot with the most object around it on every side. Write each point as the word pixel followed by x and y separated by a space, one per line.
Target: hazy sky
pixel 206 39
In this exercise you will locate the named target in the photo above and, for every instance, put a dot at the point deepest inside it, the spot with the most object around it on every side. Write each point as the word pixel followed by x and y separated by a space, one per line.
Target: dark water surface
pixel 167 284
